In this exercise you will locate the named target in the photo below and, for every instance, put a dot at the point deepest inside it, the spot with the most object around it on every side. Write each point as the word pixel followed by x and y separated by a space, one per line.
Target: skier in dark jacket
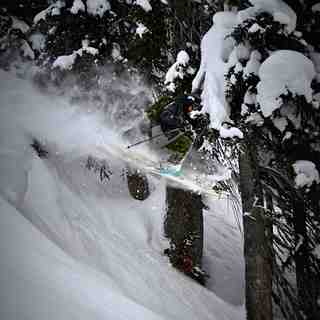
pixel 178 115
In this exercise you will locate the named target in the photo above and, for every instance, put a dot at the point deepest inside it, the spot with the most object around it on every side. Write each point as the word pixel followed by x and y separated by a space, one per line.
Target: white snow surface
pixel 214 51
pixel 277 8
pixel 73 247
pixel 306 173
pixel 284 70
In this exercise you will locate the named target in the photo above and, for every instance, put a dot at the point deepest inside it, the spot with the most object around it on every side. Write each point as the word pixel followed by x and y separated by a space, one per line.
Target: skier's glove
pixel 188 127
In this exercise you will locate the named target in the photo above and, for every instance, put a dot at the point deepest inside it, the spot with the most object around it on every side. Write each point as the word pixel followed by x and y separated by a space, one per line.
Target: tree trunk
pixel 138 184
pixel 184 228
pixel 257 240
pixel 307 280
pixel 231 5
pixel 188 24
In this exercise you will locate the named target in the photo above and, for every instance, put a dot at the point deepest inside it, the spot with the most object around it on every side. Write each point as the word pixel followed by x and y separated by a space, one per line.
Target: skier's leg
pixel 177 153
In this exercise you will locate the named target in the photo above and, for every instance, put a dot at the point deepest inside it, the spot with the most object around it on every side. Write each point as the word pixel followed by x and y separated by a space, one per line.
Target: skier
pixel 174 131
pixel 183 127
pixel 179 117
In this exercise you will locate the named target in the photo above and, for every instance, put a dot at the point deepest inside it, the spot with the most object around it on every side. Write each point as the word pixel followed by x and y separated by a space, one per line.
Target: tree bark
pixel 307 280
pixel 184 227
pixel 257 240
pixel 137 184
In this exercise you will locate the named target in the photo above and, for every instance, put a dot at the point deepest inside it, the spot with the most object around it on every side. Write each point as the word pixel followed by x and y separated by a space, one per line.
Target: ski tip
pixel 170 172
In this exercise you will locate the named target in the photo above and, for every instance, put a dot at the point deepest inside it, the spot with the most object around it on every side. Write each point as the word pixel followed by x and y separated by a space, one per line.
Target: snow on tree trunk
pixel 257 241
pixel 184 228
pixel 137 184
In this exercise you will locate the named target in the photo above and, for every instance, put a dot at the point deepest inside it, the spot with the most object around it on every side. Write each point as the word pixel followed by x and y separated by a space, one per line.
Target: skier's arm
pixel 170 119
pixel 200 121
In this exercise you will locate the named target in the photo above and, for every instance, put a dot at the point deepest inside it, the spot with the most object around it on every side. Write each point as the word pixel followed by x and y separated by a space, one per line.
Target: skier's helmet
pixel 188 103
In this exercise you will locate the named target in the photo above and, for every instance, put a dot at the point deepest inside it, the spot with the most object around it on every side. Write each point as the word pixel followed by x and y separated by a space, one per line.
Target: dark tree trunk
pixel 307 280
pixel 25 9
pixel 184 228
pixel 257 240
pixel 138 184
pixel 186 23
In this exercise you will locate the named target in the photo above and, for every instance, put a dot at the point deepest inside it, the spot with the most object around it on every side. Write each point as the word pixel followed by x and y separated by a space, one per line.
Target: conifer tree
pixel 286 149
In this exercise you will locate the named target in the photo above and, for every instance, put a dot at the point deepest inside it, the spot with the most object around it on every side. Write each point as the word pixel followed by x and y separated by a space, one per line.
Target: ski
pixel 173 175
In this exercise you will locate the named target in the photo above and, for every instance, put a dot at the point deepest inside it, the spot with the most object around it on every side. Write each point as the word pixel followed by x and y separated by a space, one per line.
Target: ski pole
pixel 149 139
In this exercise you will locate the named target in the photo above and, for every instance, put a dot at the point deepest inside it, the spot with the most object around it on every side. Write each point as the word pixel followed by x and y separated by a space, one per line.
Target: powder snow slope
pixel 72 247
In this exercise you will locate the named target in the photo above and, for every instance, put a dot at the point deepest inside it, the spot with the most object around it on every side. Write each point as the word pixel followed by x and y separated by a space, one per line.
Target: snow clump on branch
pixel 19 24
pixel 280 11
pixel 306 173
pixel 232 132
pixel 98 7
pixel 141 29
pixel 284 71
pixel 52 10
pixel 66 62
pixel 77 6
pixel 94 7
pixel 144 4
pixel 177 70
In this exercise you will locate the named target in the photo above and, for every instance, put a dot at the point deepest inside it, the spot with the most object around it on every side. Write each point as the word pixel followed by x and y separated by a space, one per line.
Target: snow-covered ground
pixel 72 247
